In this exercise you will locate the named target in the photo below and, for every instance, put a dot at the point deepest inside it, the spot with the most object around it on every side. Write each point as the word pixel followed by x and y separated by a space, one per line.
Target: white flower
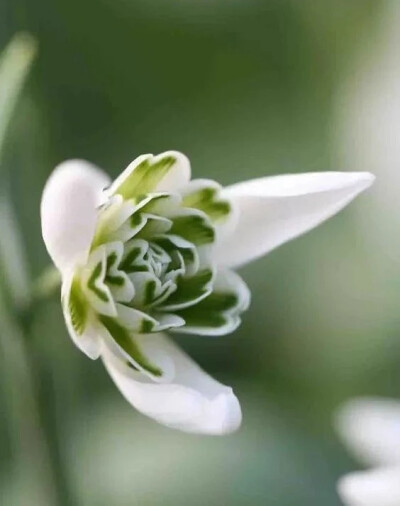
pixel 154 251
pixel 371 429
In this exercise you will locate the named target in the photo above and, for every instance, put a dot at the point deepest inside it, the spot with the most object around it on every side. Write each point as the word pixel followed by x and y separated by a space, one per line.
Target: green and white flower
pixel 154 251
pixel 371 429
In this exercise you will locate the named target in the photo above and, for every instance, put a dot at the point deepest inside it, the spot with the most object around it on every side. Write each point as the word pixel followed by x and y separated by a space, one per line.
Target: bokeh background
pixel 245 88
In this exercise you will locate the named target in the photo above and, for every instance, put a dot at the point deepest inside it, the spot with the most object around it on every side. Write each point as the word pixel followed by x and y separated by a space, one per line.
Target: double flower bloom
pixel 153 252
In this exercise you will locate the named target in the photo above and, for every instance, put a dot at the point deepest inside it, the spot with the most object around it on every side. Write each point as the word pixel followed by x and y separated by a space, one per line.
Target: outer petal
pixel 192 401
pixel 68 210
pixel 274 210
pixel 374 488
pixel 371 429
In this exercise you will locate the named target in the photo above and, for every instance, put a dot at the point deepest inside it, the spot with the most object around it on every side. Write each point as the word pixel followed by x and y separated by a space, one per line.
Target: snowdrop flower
pixel 371 429
pixel 154 251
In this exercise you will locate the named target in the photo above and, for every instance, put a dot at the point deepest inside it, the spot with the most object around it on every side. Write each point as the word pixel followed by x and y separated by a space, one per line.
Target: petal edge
pixel 69 210
pixel 274 210
pixel 192 401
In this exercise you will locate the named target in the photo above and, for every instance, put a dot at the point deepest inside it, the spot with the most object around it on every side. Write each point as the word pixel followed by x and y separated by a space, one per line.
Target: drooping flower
pixel 371 429
pixel 154 251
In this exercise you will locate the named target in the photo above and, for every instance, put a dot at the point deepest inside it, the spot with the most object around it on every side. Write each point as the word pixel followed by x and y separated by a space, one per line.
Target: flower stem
pixel 28 440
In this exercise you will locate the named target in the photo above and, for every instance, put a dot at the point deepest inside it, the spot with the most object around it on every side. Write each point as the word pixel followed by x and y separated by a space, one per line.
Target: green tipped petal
pixel 219 313
pixel 125 341
pixel 94 285
pixel 169 171
pixel 190 290
pixel 145 176
pixel 203 194
pixel 77 306
pixel 193 227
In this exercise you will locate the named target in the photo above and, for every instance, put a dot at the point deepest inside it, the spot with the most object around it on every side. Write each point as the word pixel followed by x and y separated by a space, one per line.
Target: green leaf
pixel 125 340
pixel 15 62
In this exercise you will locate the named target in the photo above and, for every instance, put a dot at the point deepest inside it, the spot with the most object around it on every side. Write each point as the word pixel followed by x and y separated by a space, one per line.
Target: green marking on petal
pixel 77 307
pixel 149 292
pixel 111 260
pixel 101 294
pixel 115 280
pixel 198 318
pixel 155 225
pixel 126 342
pixel 128 263
pixel 194 228
pixel 206 200
pixel 159 203
pixel 110 279
pixel 190 290
pixel 179 251
pixel 166 289
pixel 147 327
pixel 220 302
pixel 217 314
pixel 188 256
pixel 145 177
pixel 135 220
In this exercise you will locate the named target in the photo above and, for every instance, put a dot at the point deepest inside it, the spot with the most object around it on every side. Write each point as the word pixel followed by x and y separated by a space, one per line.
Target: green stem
pixel 29 443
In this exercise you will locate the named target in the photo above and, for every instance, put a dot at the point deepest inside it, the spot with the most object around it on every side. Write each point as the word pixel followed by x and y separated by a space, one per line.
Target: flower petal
pixel 371 429
pixel 93 284
pixel 192 401
pixel 121 342
pixel 273 210
pixel 167 172
pixel 219 313
pixel 69 210
pixel 80 320
pixel 380 487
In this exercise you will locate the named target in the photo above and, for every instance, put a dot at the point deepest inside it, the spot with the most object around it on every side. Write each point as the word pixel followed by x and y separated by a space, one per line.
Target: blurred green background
pixel 245 88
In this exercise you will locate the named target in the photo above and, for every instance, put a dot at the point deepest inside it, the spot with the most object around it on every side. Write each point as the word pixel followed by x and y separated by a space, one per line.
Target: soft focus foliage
pixel 247 89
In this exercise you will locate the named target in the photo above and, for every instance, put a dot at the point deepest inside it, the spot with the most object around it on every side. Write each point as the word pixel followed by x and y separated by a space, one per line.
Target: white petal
pixel 192 401
pixel 89 341
pixel 145 359
pixel 130 185
pixel 274 210
pixel 177 178
pixel 371 429
pixel 380 487
pixel 68 210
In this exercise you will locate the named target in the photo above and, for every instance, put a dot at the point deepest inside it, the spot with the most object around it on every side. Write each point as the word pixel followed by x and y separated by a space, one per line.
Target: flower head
pixel 371 429
pixel 153 251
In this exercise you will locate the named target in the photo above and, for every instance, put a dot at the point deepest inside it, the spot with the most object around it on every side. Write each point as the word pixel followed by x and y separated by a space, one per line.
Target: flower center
pixel 150 269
